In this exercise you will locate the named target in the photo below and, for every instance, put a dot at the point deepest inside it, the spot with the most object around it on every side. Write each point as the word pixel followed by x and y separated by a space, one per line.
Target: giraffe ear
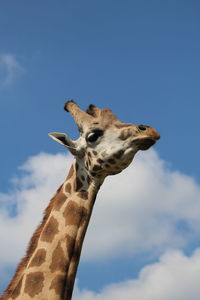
pixel 64 140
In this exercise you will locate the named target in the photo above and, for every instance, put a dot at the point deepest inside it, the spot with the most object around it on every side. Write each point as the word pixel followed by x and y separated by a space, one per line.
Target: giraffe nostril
pixel 142 127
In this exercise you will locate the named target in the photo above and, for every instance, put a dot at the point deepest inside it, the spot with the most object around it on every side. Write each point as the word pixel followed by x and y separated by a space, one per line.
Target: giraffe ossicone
pixel 106 146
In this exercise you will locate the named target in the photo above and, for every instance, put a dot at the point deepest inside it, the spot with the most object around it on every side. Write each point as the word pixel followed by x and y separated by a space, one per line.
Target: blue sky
pixel 139 58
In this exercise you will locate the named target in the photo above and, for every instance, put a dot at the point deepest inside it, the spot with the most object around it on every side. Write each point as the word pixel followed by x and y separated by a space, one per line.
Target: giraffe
pixel 106 146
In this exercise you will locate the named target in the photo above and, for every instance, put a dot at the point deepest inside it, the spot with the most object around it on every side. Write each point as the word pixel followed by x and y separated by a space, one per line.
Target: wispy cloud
pixel 10 69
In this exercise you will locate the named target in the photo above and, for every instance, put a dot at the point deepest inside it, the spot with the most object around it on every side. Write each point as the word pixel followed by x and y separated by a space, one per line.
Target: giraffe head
pixel 106 146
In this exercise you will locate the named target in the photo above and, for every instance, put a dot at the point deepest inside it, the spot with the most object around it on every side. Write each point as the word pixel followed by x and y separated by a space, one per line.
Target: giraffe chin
pixel 144 143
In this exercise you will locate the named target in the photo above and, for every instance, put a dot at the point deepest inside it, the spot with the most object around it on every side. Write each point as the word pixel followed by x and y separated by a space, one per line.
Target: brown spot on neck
pixel 74 214
pixel 50 230
pixel 59 200
pixel 34 283
pixel 58 284
pixel 59 260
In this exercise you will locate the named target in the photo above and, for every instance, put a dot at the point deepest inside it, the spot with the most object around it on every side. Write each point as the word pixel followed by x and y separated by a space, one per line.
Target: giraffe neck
pixel 48 270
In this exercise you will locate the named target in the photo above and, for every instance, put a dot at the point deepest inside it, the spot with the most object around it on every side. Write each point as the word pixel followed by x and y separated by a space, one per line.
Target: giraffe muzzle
pixel 146 140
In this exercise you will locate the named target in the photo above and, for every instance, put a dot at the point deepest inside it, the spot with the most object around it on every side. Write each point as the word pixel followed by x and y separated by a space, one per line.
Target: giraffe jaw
pixel 144 143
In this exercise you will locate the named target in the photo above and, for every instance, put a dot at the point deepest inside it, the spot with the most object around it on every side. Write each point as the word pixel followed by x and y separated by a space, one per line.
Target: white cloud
pixel 144 209
pixel 140 210
pixel 10 68
pixel 175 276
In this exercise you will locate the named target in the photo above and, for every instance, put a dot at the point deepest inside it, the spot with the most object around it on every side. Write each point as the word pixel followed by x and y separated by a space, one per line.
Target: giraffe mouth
pixel 144 143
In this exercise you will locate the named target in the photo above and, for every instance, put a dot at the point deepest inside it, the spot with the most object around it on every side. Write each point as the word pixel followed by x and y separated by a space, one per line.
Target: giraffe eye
pixel 94 135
